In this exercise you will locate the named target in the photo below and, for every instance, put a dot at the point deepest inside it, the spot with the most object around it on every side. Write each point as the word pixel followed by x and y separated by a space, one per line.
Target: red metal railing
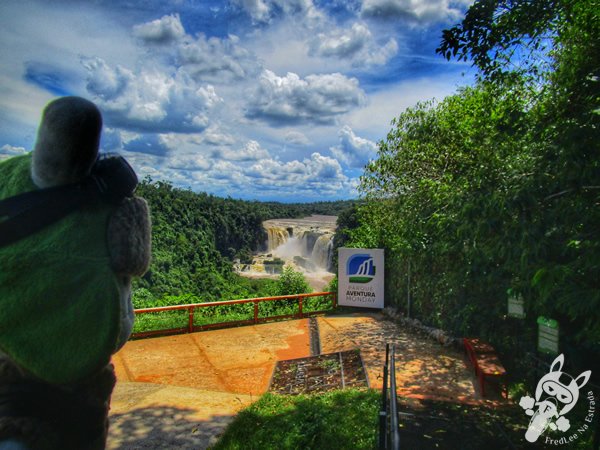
pixel 191 327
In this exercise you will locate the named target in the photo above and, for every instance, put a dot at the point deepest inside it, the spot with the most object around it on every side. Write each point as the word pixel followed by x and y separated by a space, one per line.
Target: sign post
pixel 360 277
pixel 516 306
pixel 547 335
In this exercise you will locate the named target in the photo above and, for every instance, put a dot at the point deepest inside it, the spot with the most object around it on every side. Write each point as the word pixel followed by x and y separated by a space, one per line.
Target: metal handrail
pixel 389 436
pixel 394 401
pixel 191 307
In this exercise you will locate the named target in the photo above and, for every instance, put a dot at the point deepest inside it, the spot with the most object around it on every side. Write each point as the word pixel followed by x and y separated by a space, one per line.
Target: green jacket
pixel 59 298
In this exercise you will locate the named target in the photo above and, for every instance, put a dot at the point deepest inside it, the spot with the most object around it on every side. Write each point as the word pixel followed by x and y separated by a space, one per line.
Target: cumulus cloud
pixel 262 11
pixel 190 162
pixel 353 150
pixel 149 99
pixel 355 44
pixel 153 144
pixel 257 9
pixel 217 60
pixel 342 43
pixel 213 135
pixel 317 173
pixel 252 151
pixel 296 138
pixel 165 30
pixel 291 99
pixel 111 140
pixel 250 172
pixel 421 11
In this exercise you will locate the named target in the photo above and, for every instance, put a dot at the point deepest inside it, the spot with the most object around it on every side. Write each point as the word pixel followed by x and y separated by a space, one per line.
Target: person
pixel 65 285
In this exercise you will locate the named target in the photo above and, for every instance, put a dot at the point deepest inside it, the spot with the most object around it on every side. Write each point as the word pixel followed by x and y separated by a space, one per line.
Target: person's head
pixel 67 142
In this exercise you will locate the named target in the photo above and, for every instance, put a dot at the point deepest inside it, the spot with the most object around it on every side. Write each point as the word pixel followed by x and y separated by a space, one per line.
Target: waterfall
pixel 322 251
pixel 277 236
pixel 305 243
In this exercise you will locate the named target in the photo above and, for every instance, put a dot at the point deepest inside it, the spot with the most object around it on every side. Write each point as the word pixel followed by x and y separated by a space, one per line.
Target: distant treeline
pixel 196 236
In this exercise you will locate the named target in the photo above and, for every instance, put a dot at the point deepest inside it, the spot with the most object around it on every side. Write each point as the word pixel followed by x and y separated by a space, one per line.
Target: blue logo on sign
pixel 360 268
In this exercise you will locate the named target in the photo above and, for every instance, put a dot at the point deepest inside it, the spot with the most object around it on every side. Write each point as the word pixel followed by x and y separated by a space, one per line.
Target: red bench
pixel 485 361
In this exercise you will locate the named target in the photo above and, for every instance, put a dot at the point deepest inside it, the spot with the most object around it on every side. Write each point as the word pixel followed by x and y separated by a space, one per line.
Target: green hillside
pixel 195 238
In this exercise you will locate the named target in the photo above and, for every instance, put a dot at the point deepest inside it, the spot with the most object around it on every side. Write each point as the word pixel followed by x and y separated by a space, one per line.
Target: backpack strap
pixel 111 180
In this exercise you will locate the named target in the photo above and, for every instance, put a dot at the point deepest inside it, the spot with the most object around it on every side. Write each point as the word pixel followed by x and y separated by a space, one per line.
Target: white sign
pixel 516 307
pixel 360 277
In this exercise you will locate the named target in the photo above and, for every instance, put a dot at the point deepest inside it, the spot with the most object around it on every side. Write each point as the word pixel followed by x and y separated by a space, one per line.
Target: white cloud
pixel 190 162
pixel 316 98
pixel 111 140
pixel 323 168
pixel 165 30
pixel 263 10
pixel 252 151
pixel 353 150
pixel 374 120
pixel 149 99
pixel 213 135
pixel 318 174
pixel 297 138
pixel 421 11
pixel 217 60
pixel 183 102
pixel 257 9
pixel 355 44
pixel 154 144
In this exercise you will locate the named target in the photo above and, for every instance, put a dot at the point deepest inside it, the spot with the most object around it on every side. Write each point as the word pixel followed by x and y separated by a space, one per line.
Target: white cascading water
pixel 312 246
pixel 322 252
pixel 290 248
pixel 307 241
pixel 306 244
pixel 277 236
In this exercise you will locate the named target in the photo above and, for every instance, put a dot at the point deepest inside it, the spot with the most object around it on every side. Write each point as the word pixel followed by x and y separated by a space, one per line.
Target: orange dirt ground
pixel 236 360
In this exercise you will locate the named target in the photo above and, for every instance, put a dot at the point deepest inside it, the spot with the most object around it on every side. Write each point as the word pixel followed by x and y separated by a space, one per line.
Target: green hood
pixel 59 299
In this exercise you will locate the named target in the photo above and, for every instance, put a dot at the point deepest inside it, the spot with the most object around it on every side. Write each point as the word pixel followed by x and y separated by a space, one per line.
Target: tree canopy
pixel 497 187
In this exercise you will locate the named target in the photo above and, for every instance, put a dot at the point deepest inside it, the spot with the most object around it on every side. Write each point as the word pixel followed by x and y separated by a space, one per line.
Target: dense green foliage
pixel 291 282
pixel 338 419
pixel 498 186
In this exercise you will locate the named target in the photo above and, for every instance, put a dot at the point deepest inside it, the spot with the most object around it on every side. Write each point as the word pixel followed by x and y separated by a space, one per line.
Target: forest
pixel 197 236
pixel 494 192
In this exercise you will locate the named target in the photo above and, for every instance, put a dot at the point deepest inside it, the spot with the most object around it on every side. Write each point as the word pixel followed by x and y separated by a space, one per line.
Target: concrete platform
pixel 236 360
pixel 424 368
pixel 158 416
pixel 181 391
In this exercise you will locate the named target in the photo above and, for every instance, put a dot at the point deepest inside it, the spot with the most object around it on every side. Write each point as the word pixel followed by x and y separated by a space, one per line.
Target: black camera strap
pixel 25 214
pixel 111 180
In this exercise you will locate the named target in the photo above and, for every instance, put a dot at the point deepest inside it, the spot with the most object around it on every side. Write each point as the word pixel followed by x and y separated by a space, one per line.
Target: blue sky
pixel 254 99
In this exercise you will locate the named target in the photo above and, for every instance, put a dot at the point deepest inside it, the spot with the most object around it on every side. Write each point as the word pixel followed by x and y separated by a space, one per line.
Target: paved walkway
pixel 424 368
pixel 182 391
